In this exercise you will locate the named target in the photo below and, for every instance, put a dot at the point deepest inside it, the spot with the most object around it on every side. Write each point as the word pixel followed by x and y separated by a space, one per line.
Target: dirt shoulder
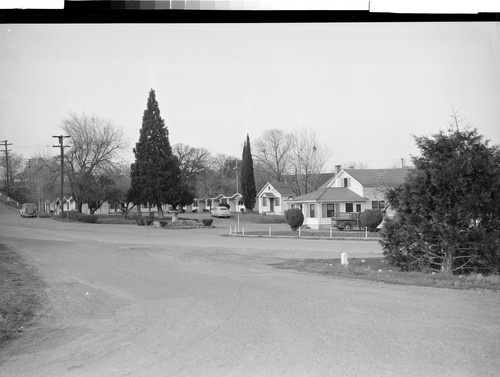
pixel 377 269
pixel 21 294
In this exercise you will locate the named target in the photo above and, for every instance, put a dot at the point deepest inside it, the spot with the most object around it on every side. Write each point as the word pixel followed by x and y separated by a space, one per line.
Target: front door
pixel 271 204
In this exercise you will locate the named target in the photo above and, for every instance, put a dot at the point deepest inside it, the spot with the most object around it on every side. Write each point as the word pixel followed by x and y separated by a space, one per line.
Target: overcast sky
pixel 364 88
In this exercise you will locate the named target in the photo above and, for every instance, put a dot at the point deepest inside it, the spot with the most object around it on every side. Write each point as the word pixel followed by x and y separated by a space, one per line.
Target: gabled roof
pixel 327 182
pixel 219 197
pixel 378 177
pixel 331 194
pixel 281 187
pixel 269 194
pixel 203 198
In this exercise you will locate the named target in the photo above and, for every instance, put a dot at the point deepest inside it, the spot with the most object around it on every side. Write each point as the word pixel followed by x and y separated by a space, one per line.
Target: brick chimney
pixel 337 169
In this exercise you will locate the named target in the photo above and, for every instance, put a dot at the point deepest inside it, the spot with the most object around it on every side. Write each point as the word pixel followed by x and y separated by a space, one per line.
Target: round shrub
pixel 371 218
pixel 207 222
pixel 88 218
pixel 294 217
pixel 73 215
pixel 224 205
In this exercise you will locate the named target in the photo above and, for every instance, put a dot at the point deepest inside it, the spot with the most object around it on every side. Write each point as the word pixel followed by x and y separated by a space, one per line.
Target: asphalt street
pixel 123 300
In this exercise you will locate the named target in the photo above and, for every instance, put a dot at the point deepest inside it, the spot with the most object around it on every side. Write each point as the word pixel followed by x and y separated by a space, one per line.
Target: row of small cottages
pixel 347 191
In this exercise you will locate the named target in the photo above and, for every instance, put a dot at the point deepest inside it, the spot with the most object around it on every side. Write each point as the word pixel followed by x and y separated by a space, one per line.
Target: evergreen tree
pixel 247 177
pixel 448 209
pixel 156 174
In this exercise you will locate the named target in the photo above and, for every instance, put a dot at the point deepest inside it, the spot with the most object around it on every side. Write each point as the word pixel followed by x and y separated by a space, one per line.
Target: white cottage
pixel 349 191
pixel 273 198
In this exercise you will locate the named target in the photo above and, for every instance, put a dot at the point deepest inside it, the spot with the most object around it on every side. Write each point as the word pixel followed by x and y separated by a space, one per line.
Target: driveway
pixel 135 301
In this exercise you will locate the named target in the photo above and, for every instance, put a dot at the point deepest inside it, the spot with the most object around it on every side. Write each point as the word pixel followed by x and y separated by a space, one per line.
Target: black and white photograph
pixel 311 195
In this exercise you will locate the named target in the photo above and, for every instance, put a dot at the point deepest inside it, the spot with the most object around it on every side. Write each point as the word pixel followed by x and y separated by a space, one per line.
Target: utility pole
pixel 5 143
pixel 237 198
pixel 61 137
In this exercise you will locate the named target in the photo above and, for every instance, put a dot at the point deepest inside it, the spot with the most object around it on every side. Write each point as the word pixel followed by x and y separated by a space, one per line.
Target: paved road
pixel 134 301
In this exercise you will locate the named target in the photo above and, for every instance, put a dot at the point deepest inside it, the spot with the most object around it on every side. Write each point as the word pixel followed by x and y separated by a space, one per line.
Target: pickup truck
pixel 346 221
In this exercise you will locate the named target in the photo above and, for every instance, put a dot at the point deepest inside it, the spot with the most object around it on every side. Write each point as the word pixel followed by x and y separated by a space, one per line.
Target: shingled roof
pixel 378 177
pixel 283 188
pixel 331 194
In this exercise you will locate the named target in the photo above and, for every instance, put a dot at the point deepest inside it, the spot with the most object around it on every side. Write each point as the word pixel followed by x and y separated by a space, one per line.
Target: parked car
pixel 28 210
pixel 220 212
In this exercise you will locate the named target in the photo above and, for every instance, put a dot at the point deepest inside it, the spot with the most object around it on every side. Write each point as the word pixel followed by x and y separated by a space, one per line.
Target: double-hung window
pixel 330 210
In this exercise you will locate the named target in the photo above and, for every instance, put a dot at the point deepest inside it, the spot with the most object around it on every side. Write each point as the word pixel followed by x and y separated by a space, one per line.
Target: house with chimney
pixel 349 191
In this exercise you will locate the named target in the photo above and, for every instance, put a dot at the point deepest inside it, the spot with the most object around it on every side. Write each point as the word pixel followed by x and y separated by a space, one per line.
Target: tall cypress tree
pixel 156 174
pixel 247 178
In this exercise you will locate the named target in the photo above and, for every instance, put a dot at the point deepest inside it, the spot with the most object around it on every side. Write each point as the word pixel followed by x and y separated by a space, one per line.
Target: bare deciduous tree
pixel 307 160
pixel 95 145
pixel 193 161
pixel 41 177
pixel 272 151
pixel 16 165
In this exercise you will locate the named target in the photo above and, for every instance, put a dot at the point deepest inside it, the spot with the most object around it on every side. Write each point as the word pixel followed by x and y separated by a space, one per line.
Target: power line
pixel 61 138
pixel 5 143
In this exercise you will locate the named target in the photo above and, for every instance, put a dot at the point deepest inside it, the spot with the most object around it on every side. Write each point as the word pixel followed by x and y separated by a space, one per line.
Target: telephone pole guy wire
pixel 61 138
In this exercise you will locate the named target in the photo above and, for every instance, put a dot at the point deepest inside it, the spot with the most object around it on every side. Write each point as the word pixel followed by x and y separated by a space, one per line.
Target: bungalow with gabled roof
pixel 217 200
pixel 236 202
pixel 349 191
pixel 273 198
pixel 201 204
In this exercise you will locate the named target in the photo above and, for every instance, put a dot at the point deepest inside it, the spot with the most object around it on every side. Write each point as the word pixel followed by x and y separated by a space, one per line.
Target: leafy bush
pixel 82 217
pixel 371 218
pixel 195 210
pixel 294 217
pixel 224 205
pixel 88 218
pixel 207 222
pixel 73 215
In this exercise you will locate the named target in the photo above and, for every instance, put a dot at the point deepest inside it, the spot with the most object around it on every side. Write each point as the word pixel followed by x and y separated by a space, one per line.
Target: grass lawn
pixel 20 294
pixel 377 269
pixel 245 218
